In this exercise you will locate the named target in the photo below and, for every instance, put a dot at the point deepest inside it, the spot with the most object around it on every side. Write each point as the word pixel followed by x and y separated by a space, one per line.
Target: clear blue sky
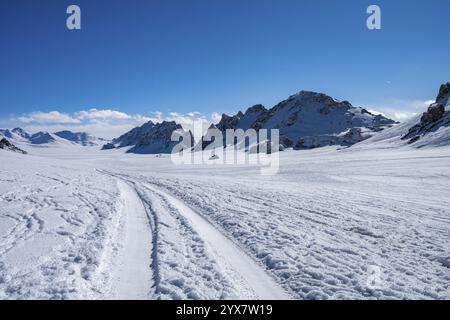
pixel 140 56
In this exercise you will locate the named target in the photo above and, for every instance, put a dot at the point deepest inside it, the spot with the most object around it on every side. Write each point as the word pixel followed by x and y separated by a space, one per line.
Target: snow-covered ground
pixel 371 221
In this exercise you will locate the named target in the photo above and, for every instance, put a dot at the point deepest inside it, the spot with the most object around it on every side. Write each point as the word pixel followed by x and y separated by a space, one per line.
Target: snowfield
pixel 367 222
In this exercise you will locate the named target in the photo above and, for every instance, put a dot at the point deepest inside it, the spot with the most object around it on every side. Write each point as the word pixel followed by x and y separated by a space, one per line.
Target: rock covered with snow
pixel 308 120
pixel 21 133
pixel 434 123
pixel 152 138
pixel 43 138
pixel 6 145
pixel 81 138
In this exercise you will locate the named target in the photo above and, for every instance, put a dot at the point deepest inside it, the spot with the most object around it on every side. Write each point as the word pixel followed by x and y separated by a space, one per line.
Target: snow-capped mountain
pixel 433 128
pixel 42 138
pixel 308 120
pixel 16 133
pixel 82 138
pixel 151 138
pixel 6 145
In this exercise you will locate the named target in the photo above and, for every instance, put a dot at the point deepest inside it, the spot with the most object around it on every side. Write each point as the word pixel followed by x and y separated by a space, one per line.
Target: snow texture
pixel 366 222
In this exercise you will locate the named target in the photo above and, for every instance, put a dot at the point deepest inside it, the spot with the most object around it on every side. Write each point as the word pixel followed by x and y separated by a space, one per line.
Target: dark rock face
pixel 81 138
pixel 153 138
pixel 6 133
pixel 41 138
pixel 108 146
pixel 6 145
pixel 435 117
pixel 132 137
pixel 444 92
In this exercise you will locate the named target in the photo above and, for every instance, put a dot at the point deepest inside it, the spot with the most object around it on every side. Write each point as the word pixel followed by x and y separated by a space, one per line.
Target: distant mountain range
pixel 19 135
pixel 305 120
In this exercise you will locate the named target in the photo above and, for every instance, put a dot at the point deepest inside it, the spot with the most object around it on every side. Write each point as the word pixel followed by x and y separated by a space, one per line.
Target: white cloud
pixel 105 123
pixel 106 114
pixel 400 110
pixel 48 117
pixel 402 116
pixel 188 121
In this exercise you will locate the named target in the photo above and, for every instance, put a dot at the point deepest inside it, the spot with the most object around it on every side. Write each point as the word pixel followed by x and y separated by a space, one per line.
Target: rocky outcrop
pixel 444 93
pixel 153 138
pixel 6 145
pixel 437 116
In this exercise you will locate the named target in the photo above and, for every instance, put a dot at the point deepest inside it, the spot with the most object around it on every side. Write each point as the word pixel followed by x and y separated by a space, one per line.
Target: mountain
pixel 82 138
pixel 21 133
pixel 6 133
pixel 150 138
pixel 6 145
pixel 433 128
pixel 308 120
pixel 43 138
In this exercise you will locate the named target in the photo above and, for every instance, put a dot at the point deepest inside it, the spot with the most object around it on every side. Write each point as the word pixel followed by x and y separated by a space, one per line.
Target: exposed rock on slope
pixel 81 138
pixel 437 116
pixel 152 138
pixel 42 138
pixel 19 135
pixel 6 145
pixel 309 120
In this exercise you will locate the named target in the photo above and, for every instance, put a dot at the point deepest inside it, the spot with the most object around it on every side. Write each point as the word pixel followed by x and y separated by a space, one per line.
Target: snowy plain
pixel 367 222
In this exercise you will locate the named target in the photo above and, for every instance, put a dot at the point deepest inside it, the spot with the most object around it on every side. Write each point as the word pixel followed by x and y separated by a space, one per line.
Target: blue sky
pixel 134 58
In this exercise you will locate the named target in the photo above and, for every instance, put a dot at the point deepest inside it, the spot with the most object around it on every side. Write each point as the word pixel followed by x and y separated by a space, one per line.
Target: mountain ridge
pixel 152 138
pixel 308 120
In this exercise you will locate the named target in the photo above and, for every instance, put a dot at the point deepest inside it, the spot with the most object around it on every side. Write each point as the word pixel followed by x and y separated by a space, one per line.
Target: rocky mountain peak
pixel 151 138
pixel 436 116
pixel 258 108
pixel 444 93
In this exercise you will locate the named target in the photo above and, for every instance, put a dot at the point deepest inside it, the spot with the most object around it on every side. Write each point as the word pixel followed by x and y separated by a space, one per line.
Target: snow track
pixel 172 252
pixel 359 223
pixel 246 275
pixel 134 277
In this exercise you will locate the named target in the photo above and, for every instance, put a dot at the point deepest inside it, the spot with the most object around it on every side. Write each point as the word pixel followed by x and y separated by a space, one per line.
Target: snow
pixel 134 277
pixel 309 120
pixel 254 283
pixel 369 222
pixel 46 139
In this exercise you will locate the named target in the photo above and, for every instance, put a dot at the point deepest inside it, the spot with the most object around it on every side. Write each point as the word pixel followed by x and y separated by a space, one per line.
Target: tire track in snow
pixel 133 279
pixel 248 277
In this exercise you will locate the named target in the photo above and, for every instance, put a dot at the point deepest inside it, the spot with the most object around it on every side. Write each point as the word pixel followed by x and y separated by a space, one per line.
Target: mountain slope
pixel 433 128
pixel 43 138
pixel 308 120
pixel 6 145
pixel 81 138
pixel 151 138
